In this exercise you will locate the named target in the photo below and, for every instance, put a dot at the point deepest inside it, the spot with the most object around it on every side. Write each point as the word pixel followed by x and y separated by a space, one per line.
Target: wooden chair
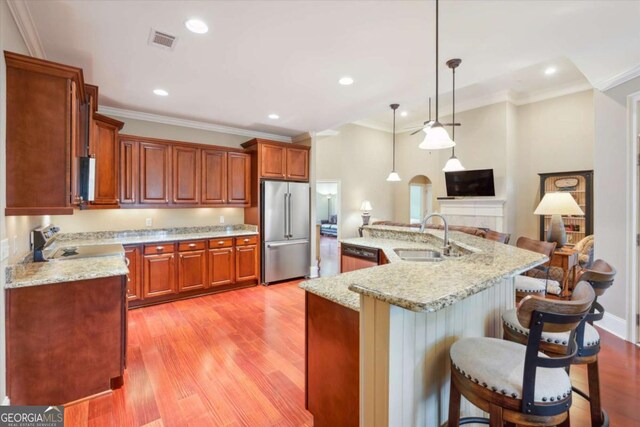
pixel 497 236
pixel 527 285
pixel 600 276
pixel 502 377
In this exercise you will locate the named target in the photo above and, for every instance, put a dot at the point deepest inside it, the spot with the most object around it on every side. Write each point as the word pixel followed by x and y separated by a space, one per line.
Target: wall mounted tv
pixel 471 183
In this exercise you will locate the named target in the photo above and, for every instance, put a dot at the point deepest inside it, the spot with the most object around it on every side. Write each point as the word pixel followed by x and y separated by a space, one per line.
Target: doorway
pixel 328 220
pixel 420 198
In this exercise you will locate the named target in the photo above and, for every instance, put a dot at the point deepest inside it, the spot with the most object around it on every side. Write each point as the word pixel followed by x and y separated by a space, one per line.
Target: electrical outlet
pixel 149 222
pixel 15 245
pixel 221 219
pixel 4 249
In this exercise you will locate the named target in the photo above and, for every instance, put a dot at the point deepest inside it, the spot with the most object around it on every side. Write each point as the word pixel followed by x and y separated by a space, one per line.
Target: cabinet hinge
pixel 637 239
pixel 637 319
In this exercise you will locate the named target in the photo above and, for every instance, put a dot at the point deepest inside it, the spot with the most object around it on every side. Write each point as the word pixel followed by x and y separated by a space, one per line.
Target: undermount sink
pixel 422 255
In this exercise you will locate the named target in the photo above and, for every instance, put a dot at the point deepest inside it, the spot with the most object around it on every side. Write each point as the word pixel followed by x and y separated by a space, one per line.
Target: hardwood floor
pixel 329 255
pixel 237 359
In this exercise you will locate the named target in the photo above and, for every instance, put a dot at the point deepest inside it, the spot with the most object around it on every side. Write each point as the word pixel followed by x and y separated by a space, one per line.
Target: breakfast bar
pixel 409 312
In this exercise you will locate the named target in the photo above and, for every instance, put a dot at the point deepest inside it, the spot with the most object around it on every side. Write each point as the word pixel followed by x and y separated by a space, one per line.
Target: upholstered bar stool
pixel 497 236
pixel 600 276
pixel 502 377
pixel 526 285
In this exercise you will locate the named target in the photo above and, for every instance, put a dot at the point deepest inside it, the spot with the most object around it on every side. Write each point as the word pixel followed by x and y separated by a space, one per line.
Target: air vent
pixel 162 40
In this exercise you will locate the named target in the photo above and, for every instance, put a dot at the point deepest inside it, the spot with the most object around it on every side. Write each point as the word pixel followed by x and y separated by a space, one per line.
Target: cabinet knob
pixel 192 245
pixel 221 242
pixel 159 248
pixel 246 240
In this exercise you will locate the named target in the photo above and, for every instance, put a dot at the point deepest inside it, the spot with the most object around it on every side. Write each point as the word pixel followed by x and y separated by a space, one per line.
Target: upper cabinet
pixel 186 175
pixel 155 173
pixel 278 160
pixel 239 179
pixel 103 146
pixel 129 171
pixel 214 177
pixel 47 129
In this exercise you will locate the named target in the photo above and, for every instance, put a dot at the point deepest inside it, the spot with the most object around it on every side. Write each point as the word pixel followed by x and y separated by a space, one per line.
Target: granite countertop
pixel 424 286
pixel 29 273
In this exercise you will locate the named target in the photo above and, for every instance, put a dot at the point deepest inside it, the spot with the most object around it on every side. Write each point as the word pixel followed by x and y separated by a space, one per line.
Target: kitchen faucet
pixel 446 249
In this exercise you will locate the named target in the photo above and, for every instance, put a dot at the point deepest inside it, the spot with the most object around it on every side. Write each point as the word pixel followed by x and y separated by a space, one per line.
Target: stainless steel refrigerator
pixel 285 230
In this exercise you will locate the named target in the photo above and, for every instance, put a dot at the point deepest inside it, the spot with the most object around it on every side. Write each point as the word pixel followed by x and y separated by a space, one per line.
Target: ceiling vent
pixel 162 40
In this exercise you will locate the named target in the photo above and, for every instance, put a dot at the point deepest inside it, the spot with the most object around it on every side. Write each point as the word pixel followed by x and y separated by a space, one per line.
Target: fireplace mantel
pixel 475 212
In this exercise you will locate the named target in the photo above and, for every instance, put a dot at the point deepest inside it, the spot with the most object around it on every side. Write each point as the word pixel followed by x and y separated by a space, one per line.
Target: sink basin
pixel 421 255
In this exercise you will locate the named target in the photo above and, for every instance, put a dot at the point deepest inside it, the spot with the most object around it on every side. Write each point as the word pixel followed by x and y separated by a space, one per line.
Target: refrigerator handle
pixel 289 208
pixel 286 216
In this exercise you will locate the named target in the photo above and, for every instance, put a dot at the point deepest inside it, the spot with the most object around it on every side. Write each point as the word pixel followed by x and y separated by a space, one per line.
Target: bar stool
pixel 600 276
pixel 526 285
pixel 497 236
pixel 502 377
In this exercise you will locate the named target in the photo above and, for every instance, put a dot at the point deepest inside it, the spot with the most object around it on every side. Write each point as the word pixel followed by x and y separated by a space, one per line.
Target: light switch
pixel 149 222
pixel 4 250
pixel 221 219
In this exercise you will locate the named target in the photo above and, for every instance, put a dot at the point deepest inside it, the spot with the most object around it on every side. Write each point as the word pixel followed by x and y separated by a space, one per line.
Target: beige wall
pixel 360 158
pixel 555 135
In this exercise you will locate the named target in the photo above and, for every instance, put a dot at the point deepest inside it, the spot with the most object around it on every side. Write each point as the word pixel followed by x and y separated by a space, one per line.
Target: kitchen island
pixel 408 315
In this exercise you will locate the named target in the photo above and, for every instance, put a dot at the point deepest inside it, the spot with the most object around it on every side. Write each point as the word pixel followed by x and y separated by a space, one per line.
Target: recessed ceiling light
pixel 160 92
pixel 196 26
pixel 346 81
pixel 404 114
pixel 550 70
pixel 274 116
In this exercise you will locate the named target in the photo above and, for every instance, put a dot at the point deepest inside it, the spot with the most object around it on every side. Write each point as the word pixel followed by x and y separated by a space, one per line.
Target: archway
pixel 420 198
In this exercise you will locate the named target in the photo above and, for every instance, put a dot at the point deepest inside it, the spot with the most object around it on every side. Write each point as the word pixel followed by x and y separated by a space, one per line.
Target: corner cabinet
pixel 279 160
pixel 580 185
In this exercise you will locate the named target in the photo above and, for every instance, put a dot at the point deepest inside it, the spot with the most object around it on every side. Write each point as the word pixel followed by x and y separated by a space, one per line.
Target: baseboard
pixel 6 401
pixel 614 324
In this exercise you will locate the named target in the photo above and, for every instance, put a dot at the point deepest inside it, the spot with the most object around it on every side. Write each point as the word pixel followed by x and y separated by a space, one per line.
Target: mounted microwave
pixel 87 178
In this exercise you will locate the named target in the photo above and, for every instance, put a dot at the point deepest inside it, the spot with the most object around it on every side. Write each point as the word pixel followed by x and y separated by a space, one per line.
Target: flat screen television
pixel 471 183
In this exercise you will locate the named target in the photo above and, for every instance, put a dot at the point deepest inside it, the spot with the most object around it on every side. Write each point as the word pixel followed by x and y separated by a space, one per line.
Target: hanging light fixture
pixel 393 176
pixel 453 164
pixel 436 137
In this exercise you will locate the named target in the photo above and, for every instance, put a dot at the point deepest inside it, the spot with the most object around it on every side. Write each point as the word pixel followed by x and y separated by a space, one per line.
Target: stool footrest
pixel 581 393
pixel 474 420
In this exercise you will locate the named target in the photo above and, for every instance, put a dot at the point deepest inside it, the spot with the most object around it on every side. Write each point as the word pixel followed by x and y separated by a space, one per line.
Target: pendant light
pixel 453 164
pixel 436 137
pixel 393 176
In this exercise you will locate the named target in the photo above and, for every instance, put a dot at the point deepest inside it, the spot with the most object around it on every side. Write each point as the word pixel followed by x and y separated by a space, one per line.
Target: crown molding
pixel 157 118
pixel 303 137
pixel 371 124
pixel 24 21
pixel 618 79
pixel 552 93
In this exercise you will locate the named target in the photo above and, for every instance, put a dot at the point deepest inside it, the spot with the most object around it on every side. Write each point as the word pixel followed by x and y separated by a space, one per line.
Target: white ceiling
pixel 285 57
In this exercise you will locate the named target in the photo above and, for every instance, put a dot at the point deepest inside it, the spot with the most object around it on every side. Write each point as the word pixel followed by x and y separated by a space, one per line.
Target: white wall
pixel 360 158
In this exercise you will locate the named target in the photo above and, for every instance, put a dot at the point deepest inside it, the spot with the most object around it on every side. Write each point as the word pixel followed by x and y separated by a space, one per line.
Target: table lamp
pixel 557 204
pixel 366 207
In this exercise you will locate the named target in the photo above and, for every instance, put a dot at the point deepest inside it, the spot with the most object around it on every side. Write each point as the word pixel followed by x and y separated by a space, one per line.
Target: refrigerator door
pixel 275 218
pixel 298 210
pixel 285 260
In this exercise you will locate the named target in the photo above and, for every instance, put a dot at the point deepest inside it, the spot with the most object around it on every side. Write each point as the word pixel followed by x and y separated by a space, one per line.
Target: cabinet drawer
pixel 246 240
pixel 221 243
pixel 161 248
pixel 195 245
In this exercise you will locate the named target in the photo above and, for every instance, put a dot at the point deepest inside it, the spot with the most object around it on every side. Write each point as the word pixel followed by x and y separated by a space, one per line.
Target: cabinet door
pixel 192 270
pixel 155 167
pixel 159 275
pixel 298 164
pixel 104 147
pixel 134 285
pixel 221 267
pixel 214 177
pixel 246 263
pixel 186 175
pixel 128 171
pixel 239 179
pixel 272 161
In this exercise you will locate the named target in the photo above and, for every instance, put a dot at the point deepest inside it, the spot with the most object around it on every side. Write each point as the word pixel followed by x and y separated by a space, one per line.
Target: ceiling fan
pixel 427 124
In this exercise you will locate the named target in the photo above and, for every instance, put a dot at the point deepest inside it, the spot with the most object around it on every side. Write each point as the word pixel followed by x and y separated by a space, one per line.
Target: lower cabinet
pixel 168 271
pixel 159 275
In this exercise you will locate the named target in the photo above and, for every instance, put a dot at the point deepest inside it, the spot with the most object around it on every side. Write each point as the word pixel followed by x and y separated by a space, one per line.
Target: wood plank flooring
pixel 329 256
pixel 237 359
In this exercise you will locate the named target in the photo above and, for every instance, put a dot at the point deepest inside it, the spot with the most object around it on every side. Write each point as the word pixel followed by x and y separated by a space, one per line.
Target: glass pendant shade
pixel 436 138
pixel 453 165
pixel 393 177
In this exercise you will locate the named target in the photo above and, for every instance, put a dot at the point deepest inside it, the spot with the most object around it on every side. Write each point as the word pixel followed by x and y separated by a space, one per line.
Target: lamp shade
pixel 558 203
pixel 436 138
pixel 393 177
pixel 453 165
pixel 366 206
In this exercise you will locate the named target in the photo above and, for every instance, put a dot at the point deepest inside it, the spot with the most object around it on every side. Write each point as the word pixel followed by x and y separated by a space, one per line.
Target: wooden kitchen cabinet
pixel 273 161
pixel 221 266
pixel 46 115
pixel 134 278
pixel 239 179
pixel 186 175
pixel 159 275
pixel 104 146
pixel 192 270
pixel 214 177
pixel 155 173
pixel 129 171
pixel 298 164
pixel 246 263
